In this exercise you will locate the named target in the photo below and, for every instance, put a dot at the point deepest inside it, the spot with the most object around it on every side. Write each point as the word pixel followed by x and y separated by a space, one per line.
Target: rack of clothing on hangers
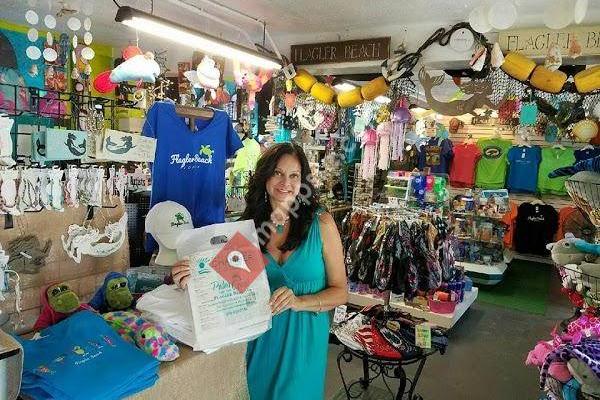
pixel 406 251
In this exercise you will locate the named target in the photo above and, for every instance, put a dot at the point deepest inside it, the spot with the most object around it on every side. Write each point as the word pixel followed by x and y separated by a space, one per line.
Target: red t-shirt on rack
pixel 462 171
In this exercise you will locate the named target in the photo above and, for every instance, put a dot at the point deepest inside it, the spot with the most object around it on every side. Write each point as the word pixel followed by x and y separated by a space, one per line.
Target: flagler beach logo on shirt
pixel 204 156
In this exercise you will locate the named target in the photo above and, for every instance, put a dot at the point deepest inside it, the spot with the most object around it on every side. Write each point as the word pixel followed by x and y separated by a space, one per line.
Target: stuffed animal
pixel 590 384
pixel 58 302
pixel 571 250
pixel 251 82
pixel 146 335
pixel 113 295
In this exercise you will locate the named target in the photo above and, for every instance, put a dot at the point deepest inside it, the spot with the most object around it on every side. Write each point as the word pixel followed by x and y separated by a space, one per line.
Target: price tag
pixel 423 336
pixel 340 314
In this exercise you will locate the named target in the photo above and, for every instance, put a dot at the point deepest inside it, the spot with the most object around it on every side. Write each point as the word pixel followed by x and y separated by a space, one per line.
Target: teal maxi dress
pixel 289 361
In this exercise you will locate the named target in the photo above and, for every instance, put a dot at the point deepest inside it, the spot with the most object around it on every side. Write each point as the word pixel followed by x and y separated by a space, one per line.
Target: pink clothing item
pixel 384 131
pixel 369 156
pixel 582 327
pixel 538 355
pixel 559 371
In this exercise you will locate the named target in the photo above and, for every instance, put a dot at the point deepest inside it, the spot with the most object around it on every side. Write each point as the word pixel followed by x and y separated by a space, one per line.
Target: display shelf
pixel 446 321
pixel 484 274
pixel 364 300
pixel 533 258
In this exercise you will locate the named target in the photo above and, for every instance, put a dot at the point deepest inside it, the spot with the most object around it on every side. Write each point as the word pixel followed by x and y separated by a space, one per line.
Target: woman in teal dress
pixel 306 274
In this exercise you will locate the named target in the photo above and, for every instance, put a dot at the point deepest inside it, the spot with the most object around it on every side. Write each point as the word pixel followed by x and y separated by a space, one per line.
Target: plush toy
pixel 113 295
pixel 591 277
pixel 58 302
pixel 590 384
pixel 571 250
pixel 251 82
pixel 148 336
pixel 138 68
pixel 539 353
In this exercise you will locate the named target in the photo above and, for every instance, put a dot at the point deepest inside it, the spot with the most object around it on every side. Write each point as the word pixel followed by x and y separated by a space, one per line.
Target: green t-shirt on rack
pixel 492 166
pixel 553 158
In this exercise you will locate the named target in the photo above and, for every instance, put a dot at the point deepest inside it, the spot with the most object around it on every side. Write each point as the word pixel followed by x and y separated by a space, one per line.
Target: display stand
pixel 385 368
pixel 484 274
pixel 446 321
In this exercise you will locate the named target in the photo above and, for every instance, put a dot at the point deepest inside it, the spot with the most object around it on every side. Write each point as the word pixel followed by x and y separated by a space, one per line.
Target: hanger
pixel 588 147
pixel 469 139
pixel 497 134
pixel 538 201
pixel 559 146
pixel 192 113
pixel 525 143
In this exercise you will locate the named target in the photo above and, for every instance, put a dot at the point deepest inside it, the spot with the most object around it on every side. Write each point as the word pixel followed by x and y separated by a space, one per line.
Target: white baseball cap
pixel 166 222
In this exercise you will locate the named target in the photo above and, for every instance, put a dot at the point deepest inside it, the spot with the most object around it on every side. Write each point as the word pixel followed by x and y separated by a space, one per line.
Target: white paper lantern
pixel 502 15
pixel 479 21
pixel 581 7
pixel 558 14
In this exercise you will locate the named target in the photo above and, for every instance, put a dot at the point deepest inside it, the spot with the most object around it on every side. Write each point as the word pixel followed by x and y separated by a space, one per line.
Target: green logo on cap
pixel 179 220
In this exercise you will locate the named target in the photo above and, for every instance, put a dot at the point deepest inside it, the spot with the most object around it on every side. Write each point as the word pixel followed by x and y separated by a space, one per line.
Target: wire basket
pixel 588 286
pixel 586 195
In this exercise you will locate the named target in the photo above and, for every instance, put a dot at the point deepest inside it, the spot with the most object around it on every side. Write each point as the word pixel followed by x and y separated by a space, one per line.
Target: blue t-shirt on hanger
pixel 189 167
pixel 523 170
pixel 586 154
pixel 436 154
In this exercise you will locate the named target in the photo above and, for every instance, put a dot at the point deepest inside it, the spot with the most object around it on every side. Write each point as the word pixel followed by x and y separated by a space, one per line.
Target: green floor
pixel 525 287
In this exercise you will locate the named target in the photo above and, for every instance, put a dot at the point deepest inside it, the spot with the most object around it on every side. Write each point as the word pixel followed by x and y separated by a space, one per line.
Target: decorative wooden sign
pixel 337 52
pixel 535 42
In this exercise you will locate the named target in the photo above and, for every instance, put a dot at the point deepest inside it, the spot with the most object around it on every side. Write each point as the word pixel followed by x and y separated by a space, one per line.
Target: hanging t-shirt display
pixel 553 158
pixel 536 226
pixel 491 168
pixel 436 154
pixel 586 154
pixel 410 159
pixel 462 171
pixel 189 167
pixel 522 174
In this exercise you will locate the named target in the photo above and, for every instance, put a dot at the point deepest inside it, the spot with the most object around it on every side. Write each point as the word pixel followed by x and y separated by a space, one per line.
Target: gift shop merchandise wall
pixel 118 159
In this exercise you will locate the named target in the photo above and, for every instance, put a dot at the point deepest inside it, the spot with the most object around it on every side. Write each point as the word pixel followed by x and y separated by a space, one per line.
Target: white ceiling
pixel 289 19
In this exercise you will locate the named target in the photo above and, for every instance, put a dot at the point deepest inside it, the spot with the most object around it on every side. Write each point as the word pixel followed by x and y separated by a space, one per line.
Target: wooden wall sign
pixel 337 52
pixel 535 42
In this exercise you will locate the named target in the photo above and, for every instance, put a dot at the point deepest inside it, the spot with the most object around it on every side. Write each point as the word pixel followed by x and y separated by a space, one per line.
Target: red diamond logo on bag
pixel 239 262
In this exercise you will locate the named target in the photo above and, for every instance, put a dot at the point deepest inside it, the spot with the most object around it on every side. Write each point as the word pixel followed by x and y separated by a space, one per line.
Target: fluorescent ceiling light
pixel 199 40
pixel 344 86
pixel 382 100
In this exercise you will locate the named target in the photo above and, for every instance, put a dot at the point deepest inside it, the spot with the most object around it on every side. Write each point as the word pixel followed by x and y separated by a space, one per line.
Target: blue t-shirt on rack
pixel 586 154
pixel 189 167
pixel 436 154
pixel 523 171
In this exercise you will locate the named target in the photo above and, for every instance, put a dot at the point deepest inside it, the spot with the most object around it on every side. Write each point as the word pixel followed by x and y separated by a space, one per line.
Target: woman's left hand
pixel 283 299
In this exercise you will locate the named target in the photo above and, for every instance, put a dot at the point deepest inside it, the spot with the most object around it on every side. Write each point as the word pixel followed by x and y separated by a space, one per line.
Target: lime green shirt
pixel 247 157
pixel 553 158
pixel 492 167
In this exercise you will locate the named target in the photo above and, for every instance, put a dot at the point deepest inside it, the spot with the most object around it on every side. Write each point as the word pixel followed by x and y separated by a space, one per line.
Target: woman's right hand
pixel 180 271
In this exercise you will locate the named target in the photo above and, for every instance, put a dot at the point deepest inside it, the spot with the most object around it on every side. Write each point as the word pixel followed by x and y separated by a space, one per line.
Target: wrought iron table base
pixel 386 369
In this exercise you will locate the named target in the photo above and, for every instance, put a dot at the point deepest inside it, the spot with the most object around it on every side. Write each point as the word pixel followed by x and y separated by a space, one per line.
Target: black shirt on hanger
pixel 536 226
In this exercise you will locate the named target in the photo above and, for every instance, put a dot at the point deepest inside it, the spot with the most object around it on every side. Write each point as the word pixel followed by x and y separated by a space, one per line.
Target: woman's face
pixel 284 185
